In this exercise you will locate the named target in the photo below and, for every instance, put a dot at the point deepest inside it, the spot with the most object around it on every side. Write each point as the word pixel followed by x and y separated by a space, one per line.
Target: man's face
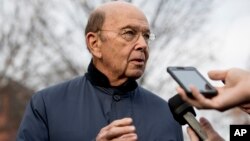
pixel 123 47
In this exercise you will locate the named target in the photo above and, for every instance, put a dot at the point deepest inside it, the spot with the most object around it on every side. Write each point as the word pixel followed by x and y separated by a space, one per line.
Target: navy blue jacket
pixel 76 110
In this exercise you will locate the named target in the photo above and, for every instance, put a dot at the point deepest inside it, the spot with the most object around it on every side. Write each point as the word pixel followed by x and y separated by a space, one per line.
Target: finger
pixel 109 130
pixel 122 122
pixel 192 135
pixel 247 105
pixel 245 108
pixel 130 137
pixel 201 102
pixel 116 132
pixel 217 74
pixel 206 125
pixel 181 92
pixel 119 122
pixel 211 133
pixel 196 94
pixel 184 96
pixel 197 99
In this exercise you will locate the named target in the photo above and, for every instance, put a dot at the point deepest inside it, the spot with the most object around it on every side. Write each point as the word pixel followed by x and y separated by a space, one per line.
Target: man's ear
pixel 93 44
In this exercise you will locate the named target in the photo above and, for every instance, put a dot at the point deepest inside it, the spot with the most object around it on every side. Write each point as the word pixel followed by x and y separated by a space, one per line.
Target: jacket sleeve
pixel 34 123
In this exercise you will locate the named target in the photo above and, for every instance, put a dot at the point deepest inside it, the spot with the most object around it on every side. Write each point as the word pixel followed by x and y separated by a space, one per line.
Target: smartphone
pixel 186 76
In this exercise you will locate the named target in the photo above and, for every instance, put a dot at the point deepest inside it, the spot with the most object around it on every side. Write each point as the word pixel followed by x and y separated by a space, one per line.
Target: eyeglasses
pixel 132 35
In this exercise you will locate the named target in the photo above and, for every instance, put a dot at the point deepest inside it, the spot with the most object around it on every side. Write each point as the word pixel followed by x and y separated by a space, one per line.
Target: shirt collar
pixel 99 79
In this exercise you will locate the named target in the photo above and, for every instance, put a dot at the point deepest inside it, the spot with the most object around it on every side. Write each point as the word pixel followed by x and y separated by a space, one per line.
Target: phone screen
pixel 189 77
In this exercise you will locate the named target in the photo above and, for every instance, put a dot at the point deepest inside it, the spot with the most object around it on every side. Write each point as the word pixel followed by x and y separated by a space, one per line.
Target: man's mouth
pixel 138 61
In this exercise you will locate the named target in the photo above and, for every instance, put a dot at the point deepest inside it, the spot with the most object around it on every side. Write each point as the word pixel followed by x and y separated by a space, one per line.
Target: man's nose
pixel 142 43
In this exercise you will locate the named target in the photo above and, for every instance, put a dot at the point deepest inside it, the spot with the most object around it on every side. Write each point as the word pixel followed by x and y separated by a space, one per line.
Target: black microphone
pixel 184 113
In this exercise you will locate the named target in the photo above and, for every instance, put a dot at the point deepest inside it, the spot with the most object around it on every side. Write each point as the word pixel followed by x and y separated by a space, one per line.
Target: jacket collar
pixel 97 78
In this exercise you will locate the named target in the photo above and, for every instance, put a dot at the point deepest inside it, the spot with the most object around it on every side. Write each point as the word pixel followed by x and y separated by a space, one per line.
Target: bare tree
pixel 31 40
pixel 43 36
pixel 179 39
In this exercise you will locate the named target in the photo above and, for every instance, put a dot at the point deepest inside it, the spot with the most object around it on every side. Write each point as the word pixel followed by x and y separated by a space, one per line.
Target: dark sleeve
pixel 34 123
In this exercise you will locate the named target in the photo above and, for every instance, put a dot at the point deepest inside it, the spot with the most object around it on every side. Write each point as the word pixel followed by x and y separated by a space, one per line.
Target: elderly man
pixel 106 103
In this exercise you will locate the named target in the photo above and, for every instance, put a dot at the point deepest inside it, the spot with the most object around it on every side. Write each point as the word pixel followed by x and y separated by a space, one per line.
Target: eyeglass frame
pixel 125 32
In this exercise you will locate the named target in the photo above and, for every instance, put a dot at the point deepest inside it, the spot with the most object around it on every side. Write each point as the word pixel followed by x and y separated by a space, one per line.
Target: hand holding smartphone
pixel 186 76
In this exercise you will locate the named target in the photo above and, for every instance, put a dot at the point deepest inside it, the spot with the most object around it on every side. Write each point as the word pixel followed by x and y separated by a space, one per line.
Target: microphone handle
pixel 195 125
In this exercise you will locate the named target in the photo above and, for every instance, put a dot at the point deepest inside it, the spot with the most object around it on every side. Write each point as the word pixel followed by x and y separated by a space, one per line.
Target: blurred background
pixel 42 43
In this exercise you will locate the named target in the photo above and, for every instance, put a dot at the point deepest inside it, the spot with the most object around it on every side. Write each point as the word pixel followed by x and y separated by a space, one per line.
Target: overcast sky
pixel 229 25
pixel 230 22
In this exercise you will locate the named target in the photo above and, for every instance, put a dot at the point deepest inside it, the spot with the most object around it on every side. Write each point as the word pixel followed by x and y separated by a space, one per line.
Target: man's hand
pixel 207 127
pixel 118 130
pixel 235 92
pixel 245 108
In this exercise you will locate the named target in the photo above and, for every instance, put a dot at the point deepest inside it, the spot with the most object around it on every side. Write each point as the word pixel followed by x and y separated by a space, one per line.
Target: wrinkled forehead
pixel 118 15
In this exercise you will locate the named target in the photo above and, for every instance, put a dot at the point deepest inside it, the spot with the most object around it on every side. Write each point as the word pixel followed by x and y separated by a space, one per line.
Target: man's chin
pixel 136 74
